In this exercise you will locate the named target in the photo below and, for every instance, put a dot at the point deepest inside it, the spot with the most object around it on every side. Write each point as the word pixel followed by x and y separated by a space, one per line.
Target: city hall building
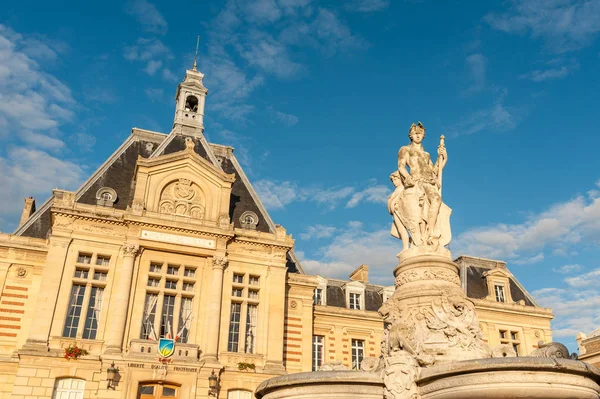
pixel 163 276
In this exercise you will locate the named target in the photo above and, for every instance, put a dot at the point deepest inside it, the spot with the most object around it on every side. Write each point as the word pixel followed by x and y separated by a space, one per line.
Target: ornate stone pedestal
pixel 429 316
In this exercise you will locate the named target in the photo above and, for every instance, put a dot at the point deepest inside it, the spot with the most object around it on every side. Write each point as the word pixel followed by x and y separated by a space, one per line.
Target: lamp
pixel 213 382
pixel 111 374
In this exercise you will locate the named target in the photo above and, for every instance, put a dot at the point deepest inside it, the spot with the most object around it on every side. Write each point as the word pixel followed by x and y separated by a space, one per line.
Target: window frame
pixel 318 352
pixel 358 351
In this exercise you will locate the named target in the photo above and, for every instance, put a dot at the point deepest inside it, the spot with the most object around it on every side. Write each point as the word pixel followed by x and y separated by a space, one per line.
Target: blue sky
pixel 317 97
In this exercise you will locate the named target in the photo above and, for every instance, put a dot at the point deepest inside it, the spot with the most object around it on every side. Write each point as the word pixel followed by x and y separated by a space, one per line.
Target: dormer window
pixel 355 295
pixel 191 104
pixel 249 220
pixel 354 301
pixel 499 291
pixel 318 296
pixel 320 293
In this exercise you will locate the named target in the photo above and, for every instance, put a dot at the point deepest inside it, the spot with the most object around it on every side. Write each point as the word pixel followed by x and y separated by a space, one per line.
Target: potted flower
pixel 74 352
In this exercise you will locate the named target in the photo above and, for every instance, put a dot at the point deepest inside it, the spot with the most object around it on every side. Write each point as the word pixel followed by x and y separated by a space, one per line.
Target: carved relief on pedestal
pixel 445 330
pixel 418 275
pixel 184 198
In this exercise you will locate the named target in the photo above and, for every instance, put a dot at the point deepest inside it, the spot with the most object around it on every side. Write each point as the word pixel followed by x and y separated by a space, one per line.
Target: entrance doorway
pixel 158 390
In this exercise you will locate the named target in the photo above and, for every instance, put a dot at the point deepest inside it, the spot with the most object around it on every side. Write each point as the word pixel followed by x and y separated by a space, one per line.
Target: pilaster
pixel 219 263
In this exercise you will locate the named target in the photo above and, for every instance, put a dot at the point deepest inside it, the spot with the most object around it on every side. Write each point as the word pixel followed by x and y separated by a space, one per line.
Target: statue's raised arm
pixel 417 207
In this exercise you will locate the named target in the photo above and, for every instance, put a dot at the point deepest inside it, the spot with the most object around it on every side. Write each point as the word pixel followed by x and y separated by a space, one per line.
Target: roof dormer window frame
pixel 355 287
pixel 321 285
pixel 498 277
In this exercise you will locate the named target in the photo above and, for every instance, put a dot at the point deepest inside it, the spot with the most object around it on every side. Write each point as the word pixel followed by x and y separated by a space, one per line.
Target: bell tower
pixel 189 103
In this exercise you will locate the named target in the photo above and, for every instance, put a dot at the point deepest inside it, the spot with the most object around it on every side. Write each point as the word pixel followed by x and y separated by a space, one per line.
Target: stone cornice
pixel 25 243
pixel 333 311
pixel 514 308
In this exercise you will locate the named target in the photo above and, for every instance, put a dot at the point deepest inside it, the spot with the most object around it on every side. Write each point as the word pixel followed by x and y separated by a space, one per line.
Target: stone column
pixel 219 263
pixel 48 294
pixel 119 301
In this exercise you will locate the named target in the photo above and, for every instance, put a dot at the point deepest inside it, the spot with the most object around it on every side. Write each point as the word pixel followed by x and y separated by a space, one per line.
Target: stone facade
pixel 168 240
pixel 589 347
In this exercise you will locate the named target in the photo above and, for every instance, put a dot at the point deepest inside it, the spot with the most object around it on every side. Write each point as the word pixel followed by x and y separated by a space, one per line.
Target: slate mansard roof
pixel 472 274
pixel 117 172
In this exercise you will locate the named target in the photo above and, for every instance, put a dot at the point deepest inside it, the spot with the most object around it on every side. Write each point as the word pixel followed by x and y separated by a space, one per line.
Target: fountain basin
pixel 323 384
pixel 506 378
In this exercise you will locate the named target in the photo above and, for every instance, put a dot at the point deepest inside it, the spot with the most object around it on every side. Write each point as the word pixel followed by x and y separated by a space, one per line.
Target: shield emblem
pixel 166 347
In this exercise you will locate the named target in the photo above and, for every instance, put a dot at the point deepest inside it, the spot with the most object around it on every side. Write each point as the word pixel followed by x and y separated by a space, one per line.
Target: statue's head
pixel 396 179
pixel 414 128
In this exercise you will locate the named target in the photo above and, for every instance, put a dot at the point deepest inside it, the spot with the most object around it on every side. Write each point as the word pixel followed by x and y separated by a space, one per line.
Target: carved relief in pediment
pixel 182 197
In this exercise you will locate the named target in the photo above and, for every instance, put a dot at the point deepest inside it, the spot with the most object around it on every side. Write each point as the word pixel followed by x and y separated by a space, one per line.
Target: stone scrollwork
pixel 220 262
pixel 130 249
pixel 183 198
pixel 552 349
pixel 504 350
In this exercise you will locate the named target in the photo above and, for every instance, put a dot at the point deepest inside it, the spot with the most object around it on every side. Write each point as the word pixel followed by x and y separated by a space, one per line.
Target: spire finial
pixel 196 56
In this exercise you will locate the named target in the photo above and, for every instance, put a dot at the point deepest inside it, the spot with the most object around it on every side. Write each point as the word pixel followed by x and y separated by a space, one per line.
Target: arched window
pixel 191 104
pixel 239 394
pixel 68 388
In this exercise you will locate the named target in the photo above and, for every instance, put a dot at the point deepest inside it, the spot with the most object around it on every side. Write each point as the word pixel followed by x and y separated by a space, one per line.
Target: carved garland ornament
pixel 184 198
pixel 416 275
pixel 220 261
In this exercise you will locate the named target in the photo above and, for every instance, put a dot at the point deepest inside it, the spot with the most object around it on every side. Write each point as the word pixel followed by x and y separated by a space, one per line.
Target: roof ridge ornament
pixel 196 56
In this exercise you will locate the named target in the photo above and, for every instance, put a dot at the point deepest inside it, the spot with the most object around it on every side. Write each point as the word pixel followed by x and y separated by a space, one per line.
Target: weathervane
pixel 196 56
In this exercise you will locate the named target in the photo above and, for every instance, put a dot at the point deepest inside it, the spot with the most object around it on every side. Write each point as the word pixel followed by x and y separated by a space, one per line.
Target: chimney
pixel 360 274
pixel 28 209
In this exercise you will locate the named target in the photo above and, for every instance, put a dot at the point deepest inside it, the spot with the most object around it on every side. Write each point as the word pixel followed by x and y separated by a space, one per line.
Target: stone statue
pixel 416 203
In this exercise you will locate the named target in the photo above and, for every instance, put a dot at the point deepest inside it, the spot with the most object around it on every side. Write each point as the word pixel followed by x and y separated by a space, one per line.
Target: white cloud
pixel 575 310
pixel 496 118
pixel 318 231
pixel 367 5
pixel 84 141
pixel 557 229
pixel 155 94
pixel 287 119
pixel 42 140
pixel 476 65
pixel 147 15
pixel 262 11
pixel 375 194
pixel 586 280
pixel 530 260
pixel 568 269
pixel 276 195
pixel 151 52
pixel 554 71
pixel 564 24
pixel 352 247
pixel 30 172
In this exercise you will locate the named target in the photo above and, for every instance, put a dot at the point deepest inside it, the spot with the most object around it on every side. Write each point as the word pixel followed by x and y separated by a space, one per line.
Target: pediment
pixel 497 272
pixel 183 184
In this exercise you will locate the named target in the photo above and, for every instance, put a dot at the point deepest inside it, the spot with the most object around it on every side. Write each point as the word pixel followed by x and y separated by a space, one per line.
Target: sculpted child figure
pixel 416 204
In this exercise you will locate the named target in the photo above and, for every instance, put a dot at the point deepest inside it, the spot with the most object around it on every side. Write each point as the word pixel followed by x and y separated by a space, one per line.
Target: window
pixel 86 259
pixel 166 321
pixel 74 311
pixel 318 296
pixel 251 317
pixel 68 388
pixel 354 301
pixel 157 390
pixel 188 272
pixel 100 276
pixel 149 316
pixel 155 268
pixel 153 282
pixel 514 340
pixel 499 290
pixel 358 353
pixel 85 301
pixel 185 315
pixel 93 313
pixel 174 301
pixel 102 260
pixel 243 319
pixel 81 273
pixel 239 394
pixel 234 327
pixel 317 352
